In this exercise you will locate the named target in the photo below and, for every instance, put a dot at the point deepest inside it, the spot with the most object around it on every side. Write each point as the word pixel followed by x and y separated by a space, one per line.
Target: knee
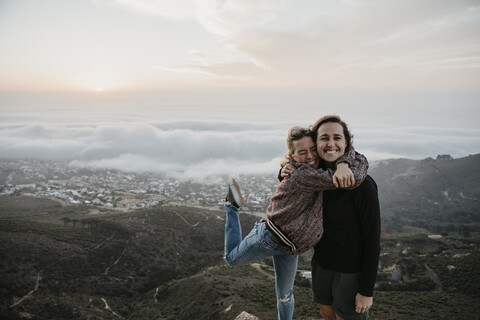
pixel 287 298
pixel 327 312
pixel 231 262
pixel 328 317
pixel 228 261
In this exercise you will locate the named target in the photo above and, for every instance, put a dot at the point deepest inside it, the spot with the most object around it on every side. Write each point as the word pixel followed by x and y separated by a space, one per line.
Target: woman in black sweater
pixel 345 262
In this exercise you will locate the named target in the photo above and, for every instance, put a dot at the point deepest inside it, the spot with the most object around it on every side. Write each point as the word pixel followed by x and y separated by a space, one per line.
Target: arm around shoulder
pixel 358 166
pixel 359 169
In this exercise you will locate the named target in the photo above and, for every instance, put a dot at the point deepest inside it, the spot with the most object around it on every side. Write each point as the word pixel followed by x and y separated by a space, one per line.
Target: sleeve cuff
pixel 348 157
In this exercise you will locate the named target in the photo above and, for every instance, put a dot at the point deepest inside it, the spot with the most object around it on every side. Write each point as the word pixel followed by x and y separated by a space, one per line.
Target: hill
pixel 166 263
pixel 72 264
pixel 441 195
pixel 64 261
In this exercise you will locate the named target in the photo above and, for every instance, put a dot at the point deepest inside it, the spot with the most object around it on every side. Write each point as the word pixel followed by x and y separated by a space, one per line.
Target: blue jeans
pixel 260 244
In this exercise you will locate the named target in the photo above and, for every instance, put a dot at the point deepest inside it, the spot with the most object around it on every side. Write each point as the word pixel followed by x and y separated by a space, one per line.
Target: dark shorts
pixel 338 290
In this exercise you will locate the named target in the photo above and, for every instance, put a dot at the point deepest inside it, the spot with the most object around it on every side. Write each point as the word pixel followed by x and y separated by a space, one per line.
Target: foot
pixel 234 195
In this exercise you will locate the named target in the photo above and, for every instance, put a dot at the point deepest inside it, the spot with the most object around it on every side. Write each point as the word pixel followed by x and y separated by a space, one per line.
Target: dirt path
pixel 123 252
pixel 103 242
pixel 39 277
pixel 192 225
pixel 107 307
pixel 37 282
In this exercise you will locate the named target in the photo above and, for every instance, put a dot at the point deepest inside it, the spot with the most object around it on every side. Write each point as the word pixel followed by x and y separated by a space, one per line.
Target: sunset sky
pixel 118 45
pixel 406 70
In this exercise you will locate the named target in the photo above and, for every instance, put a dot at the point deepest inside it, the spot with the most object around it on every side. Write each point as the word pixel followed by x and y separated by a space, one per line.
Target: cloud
pixel 386 35
pixel 185 70
pixel 195 149
pixel 197 171
pixel 374 44
pixel 417 143
pixel 170 9
pixel 367 43
pixel 228 17
pixel 219 72
pixel 200 150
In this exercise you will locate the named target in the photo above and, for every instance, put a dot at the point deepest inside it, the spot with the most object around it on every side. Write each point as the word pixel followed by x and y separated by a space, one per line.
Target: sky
pixel 192 88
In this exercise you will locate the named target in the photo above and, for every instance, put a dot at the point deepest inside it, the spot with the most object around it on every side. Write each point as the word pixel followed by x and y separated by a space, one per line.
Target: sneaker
pixel 234 195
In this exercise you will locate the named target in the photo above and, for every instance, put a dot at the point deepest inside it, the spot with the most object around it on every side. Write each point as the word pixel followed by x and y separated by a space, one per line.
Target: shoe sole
pixel 237 194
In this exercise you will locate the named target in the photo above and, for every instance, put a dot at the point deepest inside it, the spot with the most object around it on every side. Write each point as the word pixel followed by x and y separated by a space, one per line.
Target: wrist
pixel 342 164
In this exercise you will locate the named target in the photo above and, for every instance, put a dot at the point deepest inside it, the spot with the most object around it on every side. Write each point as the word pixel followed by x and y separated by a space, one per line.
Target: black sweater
pixel 351 237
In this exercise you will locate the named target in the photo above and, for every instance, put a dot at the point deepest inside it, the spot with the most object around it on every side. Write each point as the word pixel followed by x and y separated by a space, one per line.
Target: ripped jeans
pixel 260 244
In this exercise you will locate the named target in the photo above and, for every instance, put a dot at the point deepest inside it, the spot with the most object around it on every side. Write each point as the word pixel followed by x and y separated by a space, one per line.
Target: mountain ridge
pixel 419 192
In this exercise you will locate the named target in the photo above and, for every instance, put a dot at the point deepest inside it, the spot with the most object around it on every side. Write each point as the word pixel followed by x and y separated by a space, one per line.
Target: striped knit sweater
pixel 295 211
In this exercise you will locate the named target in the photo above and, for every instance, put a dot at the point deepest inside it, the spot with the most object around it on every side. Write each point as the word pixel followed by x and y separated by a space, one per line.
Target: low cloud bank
pixel 195 150
pixel 200 150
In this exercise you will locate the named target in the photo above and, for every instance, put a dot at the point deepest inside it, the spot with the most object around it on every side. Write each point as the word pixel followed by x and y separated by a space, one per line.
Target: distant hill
pixel 441 195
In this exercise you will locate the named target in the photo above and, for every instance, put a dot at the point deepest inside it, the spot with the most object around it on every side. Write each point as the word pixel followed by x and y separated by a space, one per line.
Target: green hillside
pixel 119 257
pixel 441 195
pixel 62 261
pixel 166 263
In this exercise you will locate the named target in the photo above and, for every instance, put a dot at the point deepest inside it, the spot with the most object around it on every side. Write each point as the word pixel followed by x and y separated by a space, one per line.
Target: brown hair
pixel 295 133
pixel 334 118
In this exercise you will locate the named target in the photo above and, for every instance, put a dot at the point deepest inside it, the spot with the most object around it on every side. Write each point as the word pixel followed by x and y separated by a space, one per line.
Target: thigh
pixel 344 290
pixel 322 281
pixel 285 271
pixel 257 245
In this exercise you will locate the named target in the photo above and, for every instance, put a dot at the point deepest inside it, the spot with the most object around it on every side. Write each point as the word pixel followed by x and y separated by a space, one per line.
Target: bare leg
pixel 328 313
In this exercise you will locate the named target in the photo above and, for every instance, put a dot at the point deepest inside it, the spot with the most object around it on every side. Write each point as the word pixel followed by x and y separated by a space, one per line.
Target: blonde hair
pixel 295 133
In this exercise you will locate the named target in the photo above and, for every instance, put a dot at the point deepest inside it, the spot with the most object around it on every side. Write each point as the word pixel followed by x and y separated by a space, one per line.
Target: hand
pixel 362 303
pixel 287 171
pixel 343 176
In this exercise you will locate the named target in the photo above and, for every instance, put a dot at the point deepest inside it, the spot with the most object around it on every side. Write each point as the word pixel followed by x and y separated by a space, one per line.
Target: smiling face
pixel 305 151
pixel 331 141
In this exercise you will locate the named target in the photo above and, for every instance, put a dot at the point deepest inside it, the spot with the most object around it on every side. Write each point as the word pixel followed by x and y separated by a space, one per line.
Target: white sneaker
pixel 234 194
